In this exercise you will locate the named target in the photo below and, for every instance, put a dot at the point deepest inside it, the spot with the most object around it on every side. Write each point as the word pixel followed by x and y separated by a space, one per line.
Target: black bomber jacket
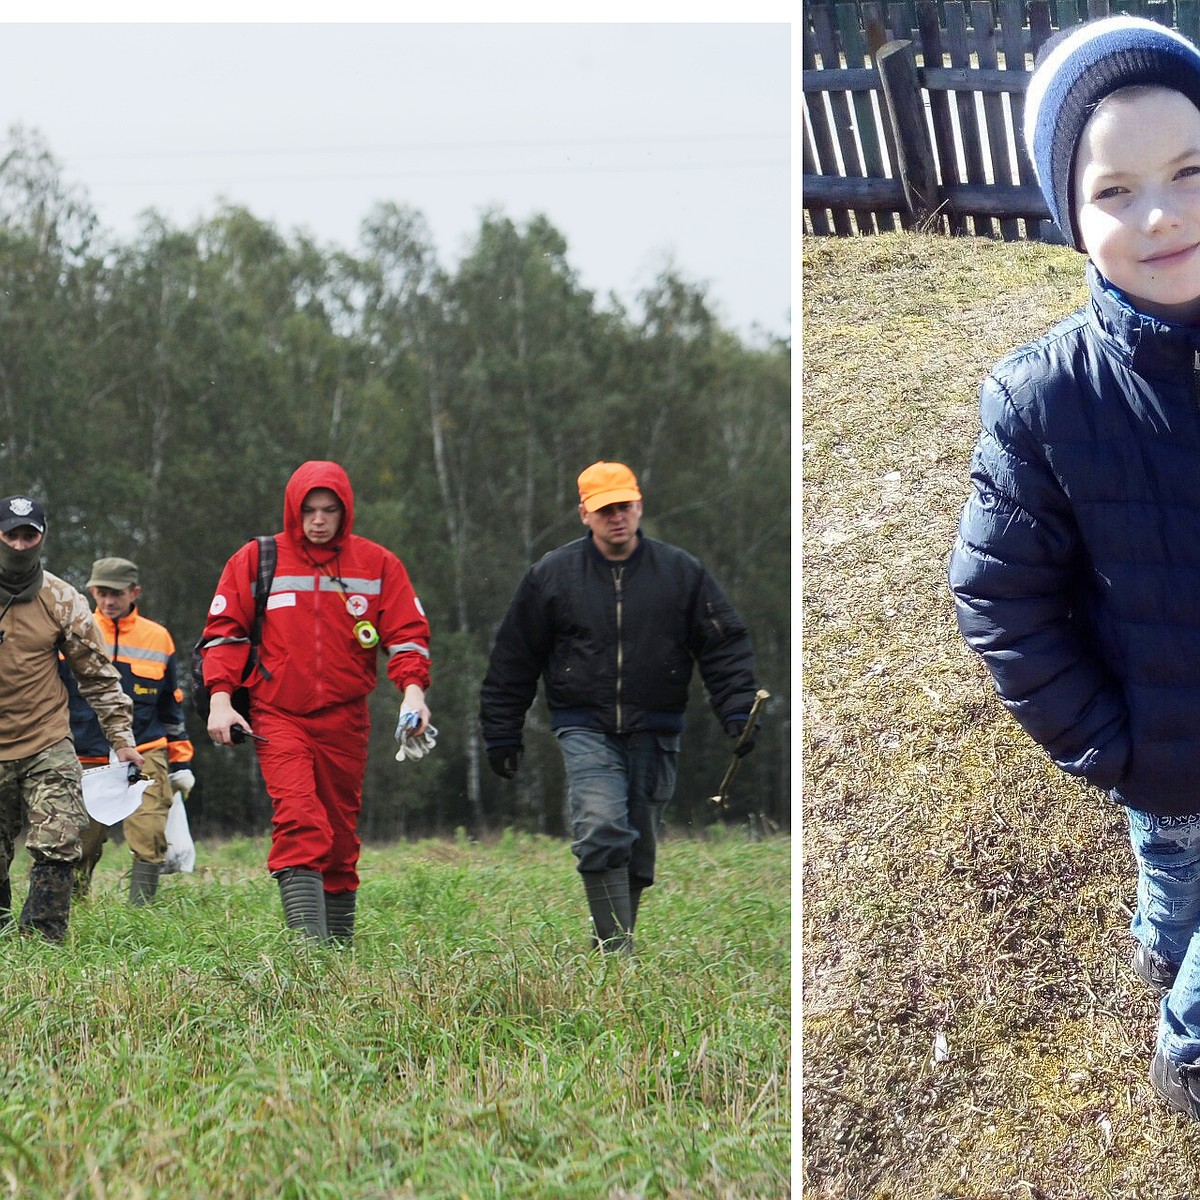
pixel 615 643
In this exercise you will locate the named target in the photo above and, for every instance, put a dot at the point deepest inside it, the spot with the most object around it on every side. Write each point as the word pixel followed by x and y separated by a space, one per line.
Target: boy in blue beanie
pixel 1076 570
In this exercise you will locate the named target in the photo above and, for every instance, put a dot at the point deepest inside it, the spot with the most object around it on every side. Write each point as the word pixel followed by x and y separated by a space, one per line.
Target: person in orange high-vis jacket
pixel 336 602
pixel 143 651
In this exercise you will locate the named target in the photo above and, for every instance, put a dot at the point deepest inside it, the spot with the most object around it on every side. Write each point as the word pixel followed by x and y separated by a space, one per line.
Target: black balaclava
pixel 20 573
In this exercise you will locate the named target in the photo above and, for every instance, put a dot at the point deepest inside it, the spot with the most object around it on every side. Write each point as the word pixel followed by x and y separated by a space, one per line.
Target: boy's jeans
pixel 617 786
pixel 1167 917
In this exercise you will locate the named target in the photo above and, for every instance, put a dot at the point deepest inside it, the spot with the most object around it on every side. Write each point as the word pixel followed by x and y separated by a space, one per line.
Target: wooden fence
pixel 913 110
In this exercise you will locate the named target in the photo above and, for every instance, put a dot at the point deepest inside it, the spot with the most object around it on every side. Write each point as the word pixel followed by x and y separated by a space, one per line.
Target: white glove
pixel 416 745
pixel 409 720
pixel 182 781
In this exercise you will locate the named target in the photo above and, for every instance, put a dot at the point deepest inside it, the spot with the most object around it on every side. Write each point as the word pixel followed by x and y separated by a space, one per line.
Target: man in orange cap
pixel 613 623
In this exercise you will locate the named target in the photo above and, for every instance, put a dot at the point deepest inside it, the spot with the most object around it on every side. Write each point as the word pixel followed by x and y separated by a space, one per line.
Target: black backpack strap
pixel 266 574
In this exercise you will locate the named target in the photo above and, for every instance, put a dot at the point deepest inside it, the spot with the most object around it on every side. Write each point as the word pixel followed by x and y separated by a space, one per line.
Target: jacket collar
pixel 597 557
pixel 124 625
pixel 1153 346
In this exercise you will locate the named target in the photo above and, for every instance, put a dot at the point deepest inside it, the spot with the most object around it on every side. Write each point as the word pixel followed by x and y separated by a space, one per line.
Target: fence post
pixel 897 65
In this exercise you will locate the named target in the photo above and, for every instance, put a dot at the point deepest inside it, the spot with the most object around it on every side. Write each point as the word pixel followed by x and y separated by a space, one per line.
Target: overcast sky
pixel 643 143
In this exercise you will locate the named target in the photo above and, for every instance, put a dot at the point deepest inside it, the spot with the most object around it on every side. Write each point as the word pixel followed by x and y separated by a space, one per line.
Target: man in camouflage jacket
pixel 41 616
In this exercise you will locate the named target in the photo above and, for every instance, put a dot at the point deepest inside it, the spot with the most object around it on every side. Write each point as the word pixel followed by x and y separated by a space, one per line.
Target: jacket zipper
pixel 1196 375
pixel 617 572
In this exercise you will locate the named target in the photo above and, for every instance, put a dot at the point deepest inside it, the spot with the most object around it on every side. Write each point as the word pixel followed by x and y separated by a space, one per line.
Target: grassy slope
pixel 956 889
pixel 469 1047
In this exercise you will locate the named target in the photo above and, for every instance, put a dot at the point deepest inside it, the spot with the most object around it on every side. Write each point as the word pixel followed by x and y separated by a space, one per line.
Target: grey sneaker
pixel 1177 1083
pixel 1154 969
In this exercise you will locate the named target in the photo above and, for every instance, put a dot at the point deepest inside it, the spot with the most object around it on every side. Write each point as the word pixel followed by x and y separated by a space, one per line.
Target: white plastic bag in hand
pixel 417 745
pixel 181 850
pixel 182 780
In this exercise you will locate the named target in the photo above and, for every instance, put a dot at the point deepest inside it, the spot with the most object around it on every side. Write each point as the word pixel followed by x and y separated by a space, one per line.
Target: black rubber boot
pixel 339 916
pixel 612 917
pixel 635 898
pixel 47 907
pixel 143 882
pixel 303 895
pixel 5 903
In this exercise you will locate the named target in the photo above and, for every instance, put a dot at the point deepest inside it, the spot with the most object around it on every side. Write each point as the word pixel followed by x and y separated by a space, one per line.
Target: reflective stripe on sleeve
pixel 392 651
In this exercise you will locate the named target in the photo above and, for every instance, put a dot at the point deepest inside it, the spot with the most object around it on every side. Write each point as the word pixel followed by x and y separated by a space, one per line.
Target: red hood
pixel 311 475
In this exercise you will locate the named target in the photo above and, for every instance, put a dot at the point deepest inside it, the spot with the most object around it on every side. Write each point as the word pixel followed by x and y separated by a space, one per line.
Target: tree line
pixel 157 393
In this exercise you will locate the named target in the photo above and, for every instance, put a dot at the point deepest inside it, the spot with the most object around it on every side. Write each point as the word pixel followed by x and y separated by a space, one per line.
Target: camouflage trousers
pixel 43 789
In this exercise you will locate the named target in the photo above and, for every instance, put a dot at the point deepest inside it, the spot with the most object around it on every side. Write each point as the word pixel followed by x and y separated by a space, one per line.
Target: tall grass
pixel 469 1045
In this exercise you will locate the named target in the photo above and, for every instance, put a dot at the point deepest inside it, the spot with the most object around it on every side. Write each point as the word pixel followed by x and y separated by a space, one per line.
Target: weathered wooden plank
pixel 976 79
pixel 1187 18
pixel 968 124
pixel 841 79
pixel 842 121
pixel 944 142
pixel 844 193
pixel 946 79
pixel 875 26
pixel 854 50
pixel 818 216
pixel 915 163
pixel 823 133
pixel 875 23
pixel 836 192
pixel 902 22
pixel 1040 27
pixel 1002 169
pixel 1011 16
pixel 996 200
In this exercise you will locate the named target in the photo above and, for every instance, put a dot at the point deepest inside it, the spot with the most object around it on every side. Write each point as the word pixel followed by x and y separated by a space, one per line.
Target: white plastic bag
pixel 181 850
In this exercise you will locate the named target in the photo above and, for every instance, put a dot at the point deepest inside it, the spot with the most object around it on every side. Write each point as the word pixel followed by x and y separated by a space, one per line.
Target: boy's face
pixel 1138 199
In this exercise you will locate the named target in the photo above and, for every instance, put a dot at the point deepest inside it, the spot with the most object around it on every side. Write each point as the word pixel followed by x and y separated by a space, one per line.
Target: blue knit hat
pixel 1078 69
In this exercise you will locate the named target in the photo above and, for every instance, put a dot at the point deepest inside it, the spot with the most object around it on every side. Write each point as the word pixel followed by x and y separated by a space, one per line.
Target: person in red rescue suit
pixel 144 653
pixel 337 600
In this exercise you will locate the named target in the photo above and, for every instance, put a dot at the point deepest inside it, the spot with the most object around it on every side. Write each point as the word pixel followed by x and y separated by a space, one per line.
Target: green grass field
pixel 469 1046
pixel 971 1026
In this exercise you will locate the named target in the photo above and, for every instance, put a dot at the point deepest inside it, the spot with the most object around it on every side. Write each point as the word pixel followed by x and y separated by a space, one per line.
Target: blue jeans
pixel 1167 917
pixel 617 786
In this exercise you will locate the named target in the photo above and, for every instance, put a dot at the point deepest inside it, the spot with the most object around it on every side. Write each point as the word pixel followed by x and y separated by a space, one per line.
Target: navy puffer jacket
pixel 1076 570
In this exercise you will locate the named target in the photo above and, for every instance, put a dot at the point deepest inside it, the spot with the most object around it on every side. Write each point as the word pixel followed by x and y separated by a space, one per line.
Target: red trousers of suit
pixel 313 768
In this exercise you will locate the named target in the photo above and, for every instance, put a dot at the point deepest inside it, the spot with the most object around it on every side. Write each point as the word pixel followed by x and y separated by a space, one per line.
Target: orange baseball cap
pixel 607 483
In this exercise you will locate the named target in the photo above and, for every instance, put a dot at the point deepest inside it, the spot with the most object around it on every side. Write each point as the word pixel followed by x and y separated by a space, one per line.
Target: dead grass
pixel 970 1024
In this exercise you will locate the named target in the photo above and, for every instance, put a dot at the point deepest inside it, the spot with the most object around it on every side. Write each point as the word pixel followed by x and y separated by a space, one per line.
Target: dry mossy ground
pixel 971 1027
